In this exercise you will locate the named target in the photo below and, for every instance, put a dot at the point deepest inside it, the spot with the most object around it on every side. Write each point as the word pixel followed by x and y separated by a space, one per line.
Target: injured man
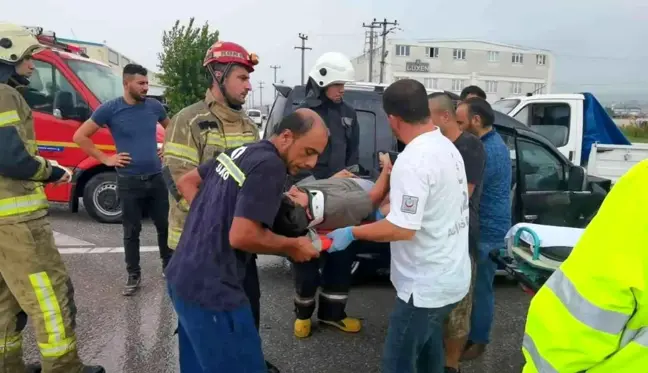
pixel 340 201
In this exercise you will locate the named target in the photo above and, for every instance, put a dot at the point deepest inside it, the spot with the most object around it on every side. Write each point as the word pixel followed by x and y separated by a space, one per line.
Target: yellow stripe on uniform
pixel 231 168
pixel 230 140
pixel 23 204
pixel 174 236
pixel 57 343
pixel 65 144
pixel 9 118
pixel 10 344
pixel 181 152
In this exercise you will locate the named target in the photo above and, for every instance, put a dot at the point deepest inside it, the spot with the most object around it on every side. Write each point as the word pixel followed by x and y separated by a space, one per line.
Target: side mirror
pixel 576 179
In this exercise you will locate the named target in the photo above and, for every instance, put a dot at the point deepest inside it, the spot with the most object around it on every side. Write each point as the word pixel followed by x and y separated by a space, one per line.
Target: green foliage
pixel 635 133
pixel 183 51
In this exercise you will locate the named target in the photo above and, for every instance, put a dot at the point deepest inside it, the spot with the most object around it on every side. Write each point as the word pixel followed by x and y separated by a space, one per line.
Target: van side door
pixel 547 194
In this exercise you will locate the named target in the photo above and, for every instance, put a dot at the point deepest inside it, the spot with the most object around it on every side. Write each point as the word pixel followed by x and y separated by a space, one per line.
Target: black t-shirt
pixel 205 268
pixel 474 157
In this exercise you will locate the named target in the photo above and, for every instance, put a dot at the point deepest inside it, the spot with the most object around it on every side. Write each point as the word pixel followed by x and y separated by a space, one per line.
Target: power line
pixel 261 94
pixel 303 48
pixel 384 33
pixel 372 35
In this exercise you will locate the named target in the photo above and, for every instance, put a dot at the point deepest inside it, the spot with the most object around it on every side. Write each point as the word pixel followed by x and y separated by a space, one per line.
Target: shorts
pixel 457 325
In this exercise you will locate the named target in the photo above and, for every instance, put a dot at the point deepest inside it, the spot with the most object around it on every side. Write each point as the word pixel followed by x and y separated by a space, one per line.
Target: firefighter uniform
pixel 592 313
pixel 33 279
pixel 195 135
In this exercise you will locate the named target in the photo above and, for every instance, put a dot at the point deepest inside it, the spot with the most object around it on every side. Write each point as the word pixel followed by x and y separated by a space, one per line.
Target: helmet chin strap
pixel 221 85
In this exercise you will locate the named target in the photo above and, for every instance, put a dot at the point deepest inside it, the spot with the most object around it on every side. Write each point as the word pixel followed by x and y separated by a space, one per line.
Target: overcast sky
pixel 600 45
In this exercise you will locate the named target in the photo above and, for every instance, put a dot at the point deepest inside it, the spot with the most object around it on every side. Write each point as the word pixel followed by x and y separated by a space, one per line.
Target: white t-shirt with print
pixel 429 194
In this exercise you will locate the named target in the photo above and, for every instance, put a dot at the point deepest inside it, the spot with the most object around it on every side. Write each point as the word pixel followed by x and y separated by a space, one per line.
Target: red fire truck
pixel 64 89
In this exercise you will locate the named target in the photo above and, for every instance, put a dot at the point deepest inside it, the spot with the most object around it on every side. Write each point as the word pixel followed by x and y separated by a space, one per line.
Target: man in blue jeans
pixel 475 115
pixel 234 200
pixel 132 120
pixel 427 226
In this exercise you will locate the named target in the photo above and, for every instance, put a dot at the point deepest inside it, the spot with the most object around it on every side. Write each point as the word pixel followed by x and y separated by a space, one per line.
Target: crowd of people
pixel 218 196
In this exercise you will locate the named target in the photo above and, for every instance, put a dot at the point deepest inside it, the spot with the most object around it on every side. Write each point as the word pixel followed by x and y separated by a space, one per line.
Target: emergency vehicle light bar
pixel 48 38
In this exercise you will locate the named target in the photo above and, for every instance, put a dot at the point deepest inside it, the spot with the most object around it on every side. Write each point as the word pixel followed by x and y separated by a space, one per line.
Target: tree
pixel 183 51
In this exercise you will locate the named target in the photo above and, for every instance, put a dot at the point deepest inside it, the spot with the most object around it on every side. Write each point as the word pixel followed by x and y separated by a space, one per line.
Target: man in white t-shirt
pixel 428 229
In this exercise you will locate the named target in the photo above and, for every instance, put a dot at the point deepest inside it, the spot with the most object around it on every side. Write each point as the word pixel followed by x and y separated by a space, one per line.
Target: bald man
pixel 234 200
pixel 472 150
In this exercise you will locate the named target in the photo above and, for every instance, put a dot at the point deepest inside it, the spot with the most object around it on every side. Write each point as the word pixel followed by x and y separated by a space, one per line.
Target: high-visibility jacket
pixel 592 313
pixel 22 170
pixel 196 134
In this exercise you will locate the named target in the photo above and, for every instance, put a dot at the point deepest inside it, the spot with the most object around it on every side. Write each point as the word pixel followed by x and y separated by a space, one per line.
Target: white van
pixel 255 115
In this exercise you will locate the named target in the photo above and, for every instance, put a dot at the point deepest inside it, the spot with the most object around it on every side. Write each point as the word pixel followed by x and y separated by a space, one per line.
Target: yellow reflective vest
pixel 22 170
pixel 195 135
pixel 592 313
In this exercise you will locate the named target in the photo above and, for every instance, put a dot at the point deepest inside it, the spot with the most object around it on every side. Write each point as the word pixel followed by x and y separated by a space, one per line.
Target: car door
pixel 544 186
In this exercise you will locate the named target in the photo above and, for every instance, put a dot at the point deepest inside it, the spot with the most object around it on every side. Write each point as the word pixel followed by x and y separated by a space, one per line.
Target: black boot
pixel 33 368
pixel 93 369
pixel 271 368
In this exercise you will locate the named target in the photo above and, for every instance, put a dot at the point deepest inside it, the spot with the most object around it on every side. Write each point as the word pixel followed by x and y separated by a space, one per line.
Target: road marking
pixel 102 250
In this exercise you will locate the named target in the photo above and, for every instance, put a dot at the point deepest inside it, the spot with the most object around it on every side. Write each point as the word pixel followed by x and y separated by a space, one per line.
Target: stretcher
pixel 533 252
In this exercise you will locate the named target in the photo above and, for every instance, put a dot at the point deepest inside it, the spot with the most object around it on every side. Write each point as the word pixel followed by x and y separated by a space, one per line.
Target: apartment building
pixel 501 70
pixel 115 60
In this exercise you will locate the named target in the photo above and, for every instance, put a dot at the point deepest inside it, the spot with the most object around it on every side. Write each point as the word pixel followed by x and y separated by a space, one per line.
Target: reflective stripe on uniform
pixel 337 297
pixel 583 310
pixel 181 152
pixel 230 140
pixel 233 170
pixel 9 118
pixel 23 204
pixel 304 301
pixel 541 365
pixel 174 236
pixel 639 336
pixel 42 169
pixel 57 342
pixel 10 344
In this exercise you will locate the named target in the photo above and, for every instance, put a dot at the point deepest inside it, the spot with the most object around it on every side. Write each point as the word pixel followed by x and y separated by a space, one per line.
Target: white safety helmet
pixel 332 68
pixel 316 207
pixel 16 42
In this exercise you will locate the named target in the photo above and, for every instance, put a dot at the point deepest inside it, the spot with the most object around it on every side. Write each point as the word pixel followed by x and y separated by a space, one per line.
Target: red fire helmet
pixel 227 52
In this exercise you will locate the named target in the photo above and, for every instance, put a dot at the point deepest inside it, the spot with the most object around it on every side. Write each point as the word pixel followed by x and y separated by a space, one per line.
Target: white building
pixel 499 69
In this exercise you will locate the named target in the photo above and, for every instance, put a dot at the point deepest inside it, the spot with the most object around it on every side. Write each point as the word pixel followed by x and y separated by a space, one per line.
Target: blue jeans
pixel 483 305
pixel 214 342
pixel 414 342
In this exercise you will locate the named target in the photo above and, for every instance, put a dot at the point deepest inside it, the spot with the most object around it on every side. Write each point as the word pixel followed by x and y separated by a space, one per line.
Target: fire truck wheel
pixel 100 198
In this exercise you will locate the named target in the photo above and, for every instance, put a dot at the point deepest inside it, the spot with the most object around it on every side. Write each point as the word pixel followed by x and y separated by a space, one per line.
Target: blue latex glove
pixel 342 238
pixel 379 215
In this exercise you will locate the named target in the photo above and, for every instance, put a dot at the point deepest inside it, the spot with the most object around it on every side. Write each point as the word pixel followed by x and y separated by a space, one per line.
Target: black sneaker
pixel 271 368
pixel 132 284
pixel 93 369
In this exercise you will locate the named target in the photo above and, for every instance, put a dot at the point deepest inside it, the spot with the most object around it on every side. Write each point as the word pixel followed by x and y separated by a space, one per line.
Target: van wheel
pixel 100 198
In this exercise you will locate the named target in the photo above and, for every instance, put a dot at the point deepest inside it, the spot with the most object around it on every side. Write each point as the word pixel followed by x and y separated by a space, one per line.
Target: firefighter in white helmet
pixel 324 95
pixel 34 282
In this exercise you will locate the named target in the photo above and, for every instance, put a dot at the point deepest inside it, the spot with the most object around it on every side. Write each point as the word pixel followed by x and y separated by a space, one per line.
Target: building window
pixel 493 56
pixel 491 86
pixel 516 87
pixel 432 52
pixel 431 83
pixel 457 85
pixel 125 61
pixel 539 88
pixel 396 78
pixel 113 57
pixel 459 54
pixel 517 58
pixel 541 59
pixel 402 50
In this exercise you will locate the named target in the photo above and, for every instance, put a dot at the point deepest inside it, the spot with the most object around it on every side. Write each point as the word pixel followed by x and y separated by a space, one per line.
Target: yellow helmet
pixel 16 42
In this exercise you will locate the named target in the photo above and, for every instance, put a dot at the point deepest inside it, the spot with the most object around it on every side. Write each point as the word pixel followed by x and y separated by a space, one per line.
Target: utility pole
pixel 384 33
pixel 275 67
pixel 373 25
pixel 261 94
pixel 303 48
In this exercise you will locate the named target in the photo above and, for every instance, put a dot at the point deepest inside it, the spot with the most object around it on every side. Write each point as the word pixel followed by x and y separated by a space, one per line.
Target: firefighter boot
pixel 302 328
pixel 347 324
pixel 36 368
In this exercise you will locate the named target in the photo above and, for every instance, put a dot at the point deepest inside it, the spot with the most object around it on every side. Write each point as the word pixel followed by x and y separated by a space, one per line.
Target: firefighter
pixel 215 124
pixel 33 278
pixel 324 95
pixel 592 313
pixel 325 89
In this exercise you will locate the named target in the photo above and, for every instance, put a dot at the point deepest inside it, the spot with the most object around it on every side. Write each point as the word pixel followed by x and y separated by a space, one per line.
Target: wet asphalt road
pixel 135 335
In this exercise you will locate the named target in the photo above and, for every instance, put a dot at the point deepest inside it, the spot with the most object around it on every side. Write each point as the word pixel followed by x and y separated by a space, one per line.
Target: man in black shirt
pixel 474 157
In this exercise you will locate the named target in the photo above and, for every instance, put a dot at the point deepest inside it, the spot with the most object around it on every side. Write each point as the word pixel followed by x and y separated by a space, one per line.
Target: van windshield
pixel 99 79
pixel 253 113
